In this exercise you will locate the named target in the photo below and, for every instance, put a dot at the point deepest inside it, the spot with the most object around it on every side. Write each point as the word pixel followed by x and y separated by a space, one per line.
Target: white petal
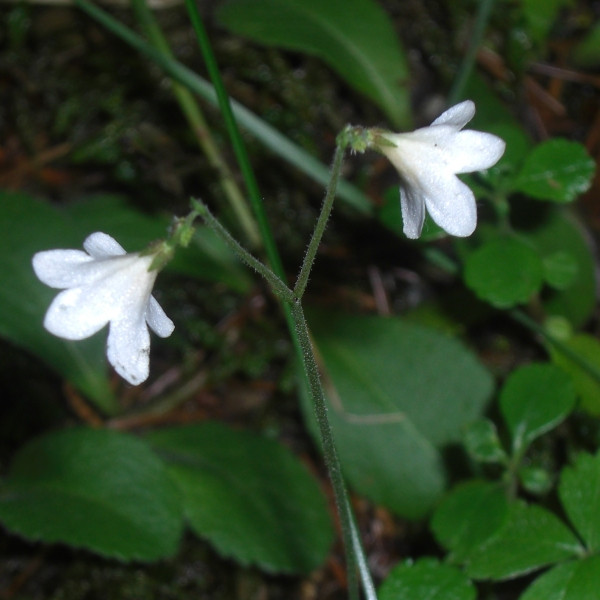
pixel 474 150
pixel 412 203
pixel 451 204
pixel 59 268
pixel 158 320
pixel 76 314
pixel 128 349
pixel 458 115
pixel 101 245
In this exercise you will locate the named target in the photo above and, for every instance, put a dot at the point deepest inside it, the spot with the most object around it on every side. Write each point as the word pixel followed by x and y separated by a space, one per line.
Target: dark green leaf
pixel 531 537
pixel 355 37
pixel 574 580
pixel 587 348
pixel 26 227
pixel 426 578
pixel 505 272
pixel 560 269
pixel 248 495
pixel 579 491
pixel 397 392
pixel 557 170
pixel 96 489
pixel 587 52
pixel 534 400
pixel 470 514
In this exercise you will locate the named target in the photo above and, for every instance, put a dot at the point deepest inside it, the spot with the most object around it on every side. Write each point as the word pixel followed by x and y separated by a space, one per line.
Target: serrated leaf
pixel 397 392
pixel 574 580
pixel 587 349
pixel 504 271
pixel 248 495
pixel 27 226
pixel 470 514
pixel 579 491
pixel 355 37
pixel 530 538
pixel 96 489
pixel 534 399
pixel 557 170
pixel 426 578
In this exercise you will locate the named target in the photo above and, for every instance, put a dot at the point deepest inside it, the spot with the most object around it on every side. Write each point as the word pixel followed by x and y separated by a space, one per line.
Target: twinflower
pixel 428 160
pixel 104 285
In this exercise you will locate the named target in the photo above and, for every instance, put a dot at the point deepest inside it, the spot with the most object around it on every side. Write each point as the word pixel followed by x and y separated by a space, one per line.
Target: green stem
pixel 277 285
pixel 466 67
pixel 349 535
pixel 236 139
pixel 313 246
pixel 198 124
pixel 580 361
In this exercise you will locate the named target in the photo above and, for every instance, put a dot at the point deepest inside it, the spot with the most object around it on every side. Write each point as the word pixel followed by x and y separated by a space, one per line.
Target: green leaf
pixel 540 15
pixel 574 580
pixel 535 399
pixel 535 480
pixel 557 170
pixel 248 495
pixel 505 272
pixel 96 489
pixel 579 491
pixel 355 37
pixel 587 348
pixel 397 392
pixel 470 514
pixel 530 538
pixel 560 269
pixel 26 227
pixel 426 578
pixel 587 52
pixel 482 442
pixel 558 232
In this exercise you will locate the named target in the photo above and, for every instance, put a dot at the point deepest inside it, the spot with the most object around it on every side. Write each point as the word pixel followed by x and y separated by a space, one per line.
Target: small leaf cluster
pixel 490 533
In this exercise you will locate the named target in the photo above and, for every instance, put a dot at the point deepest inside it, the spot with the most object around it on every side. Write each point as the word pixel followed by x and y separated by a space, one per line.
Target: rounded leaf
pixel 557 170
pixel 96 489
pixel 534 399
pixel 248 495
pixel 504 272
pixel 426 578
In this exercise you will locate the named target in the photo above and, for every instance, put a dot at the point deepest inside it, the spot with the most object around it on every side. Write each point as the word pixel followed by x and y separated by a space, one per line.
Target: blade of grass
pixel 279 144
pixel 198 125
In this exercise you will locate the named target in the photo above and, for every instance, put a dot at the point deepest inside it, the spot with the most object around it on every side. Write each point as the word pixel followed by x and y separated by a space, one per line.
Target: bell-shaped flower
pixel 104 285
pixel 428 160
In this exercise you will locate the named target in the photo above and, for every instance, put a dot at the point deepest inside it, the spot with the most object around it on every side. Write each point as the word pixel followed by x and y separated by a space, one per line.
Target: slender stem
pixel 190 108
pixel 236 138
pixel 483 16
pixel 331 458
pixel 313 246
pixel 277 285
pixel 580 361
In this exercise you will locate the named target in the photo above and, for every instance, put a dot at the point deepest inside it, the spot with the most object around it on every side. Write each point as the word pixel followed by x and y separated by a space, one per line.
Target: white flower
pixel 428 160
pixel 104 285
